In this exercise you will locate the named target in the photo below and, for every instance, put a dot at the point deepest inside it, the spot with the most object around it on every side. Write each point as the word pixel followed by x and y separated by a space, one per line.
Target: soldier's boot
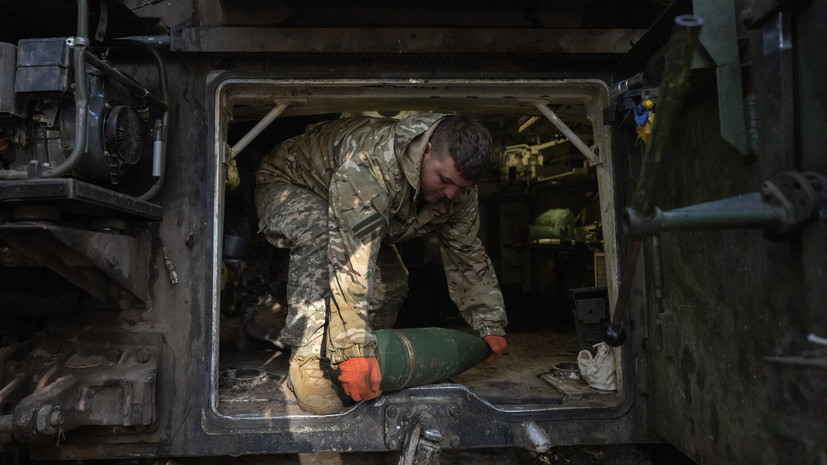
pixel 311 383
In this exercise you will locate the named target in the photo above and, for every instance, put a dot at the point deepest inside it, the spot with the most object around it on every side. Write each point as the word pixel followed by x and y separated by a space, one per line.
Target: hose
pixel 79 44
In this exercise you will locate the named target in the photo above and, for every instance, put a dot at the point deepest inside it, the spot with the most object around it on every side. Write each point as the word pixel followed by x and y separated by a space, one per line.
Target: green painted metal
pixel 417 356
pixel 720 41
pixel 744 211
pixel 731 106
pixel 675 82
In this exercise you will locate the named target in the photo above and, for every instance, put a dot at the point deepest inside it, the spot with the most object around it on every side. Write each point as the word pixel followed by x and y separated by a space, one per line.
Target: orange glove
pixel 360 377
pixel 497 344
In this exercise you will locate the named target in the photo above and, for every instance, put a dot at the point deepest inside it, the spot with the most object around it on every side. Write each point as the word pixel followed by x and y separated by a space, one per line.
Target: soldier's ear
pixel 427 152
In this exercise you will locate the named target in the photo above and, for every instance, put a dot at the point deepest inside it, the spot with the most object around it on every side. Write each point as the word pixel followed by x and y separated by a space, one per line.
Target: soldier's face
pixel 439 178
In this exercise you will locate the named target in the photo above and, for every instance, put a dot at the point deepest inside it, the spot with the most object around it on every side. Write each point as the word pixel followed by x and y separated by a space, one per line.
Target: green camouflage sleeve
pixel 357 220
pixel 472 283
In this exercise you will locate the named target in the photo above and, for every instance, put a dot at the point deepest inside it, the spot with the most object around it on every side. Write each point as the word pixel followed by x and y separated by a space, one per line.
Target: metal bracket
pixel 233 178
pixel 570 135
pixel 720 41
pixel 785 203
pixel 256 130
pixel 85 384
pixel 402 421
pixel 89 259
pixel 423 442
pixel 74 41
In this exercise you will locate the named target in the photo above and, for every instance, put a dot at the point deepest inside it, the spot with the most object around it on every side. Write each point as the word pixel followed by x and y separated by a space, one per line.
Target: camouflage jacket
pixel 368 169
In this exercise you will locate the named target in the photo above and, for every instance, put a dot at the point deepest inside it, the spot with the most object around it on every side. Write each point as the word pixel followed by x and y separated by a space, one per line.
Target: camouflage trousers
pixel 294 218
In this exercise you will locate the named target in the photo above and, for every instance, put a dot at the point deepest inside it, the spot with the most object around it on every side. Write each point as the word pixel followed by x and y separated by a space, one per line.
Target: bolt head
pixel 432 434
pixel 113 354
pixel 143 355
pixel 56 418
pixel 391 412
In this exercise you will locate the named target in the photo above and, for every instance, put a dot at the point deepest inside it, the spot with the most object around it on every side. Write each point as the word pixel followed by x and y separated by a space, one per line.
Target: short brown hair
pixel 467 141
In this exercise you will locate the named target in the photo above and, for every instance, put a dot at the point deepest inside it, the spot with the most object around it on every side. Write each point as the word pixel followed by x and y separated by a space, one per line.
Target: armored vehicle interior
pixel 140 311
pixel 547 222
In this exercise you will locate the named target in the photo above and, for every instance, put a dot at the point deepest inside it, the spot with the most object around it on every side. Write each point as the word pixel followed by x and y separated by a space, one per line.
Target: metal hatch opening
pixel 547 221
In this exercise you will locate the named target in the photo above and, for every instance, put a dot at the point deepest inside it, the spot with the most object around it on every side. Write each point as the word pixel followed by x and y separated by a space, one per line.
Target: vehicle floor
pixel 538 370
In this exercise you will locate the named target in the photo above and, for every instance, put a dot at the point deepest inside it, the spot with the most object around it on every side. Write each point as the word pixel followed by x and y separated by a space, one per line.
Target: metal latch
pixel 423 442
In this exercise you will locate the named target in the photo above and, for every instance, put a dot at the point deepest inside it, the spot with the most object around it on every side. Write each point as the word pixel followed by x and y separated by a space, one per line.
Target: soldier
pixel 334 195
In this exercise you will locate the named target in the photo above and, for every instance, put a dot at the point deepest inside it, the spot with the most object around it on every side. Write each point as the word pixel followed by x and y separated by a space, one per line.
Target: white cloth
pixel 598 370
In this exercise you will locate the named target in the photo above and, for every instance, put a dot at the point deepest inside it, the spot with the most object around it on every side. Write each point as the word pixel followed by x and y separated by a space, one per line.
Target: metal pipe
pixel 9 389
pixel 126 81
pixel 634 82
pixel 570 135
pixel 79 46
pixel 743 211
pixel 674 85
pixel 256 130
pixel 160 146
pixel 8 175
pixel 149 41
pixel 83 19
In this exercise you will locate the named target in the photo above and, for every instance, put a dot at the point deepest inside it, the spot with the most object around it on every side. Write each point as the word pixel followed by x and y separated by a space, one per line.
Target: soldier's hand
pixel 498 345
pixel 360 378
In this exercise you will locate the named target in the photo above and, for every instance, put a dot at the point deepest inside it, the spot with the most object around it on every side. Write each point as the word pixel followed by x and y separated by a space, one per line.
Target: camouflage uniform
pixel 362 175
